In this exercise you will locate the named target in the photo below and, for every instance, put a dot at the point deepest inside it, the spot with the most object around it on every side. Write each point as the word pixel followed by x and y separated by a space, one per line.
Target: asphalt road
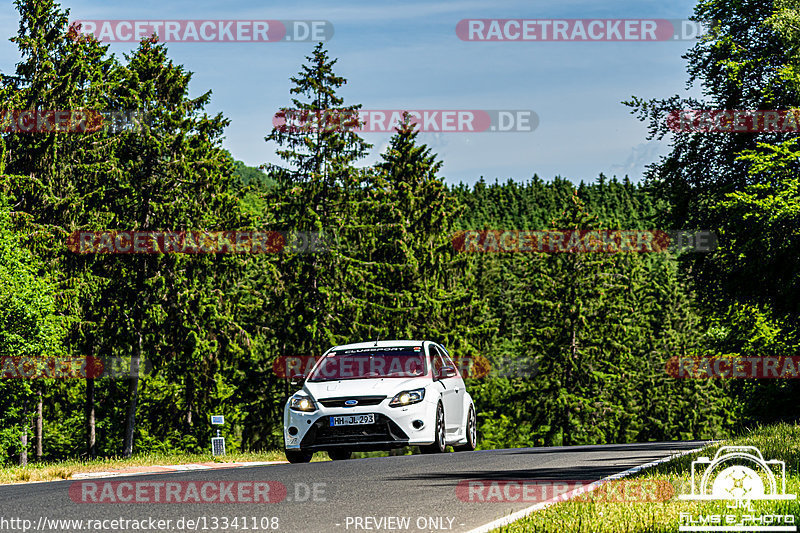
pixel 406 493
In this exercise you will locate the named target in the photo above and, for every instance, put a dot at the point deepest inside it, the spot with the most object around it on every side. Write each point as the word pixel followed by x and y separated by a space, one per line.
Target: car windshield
pixel 374 362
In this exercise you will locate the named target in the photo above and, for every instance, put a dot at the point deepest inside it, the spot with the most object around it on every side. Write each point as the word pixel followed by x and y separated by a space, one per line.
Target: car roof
pixel 379 344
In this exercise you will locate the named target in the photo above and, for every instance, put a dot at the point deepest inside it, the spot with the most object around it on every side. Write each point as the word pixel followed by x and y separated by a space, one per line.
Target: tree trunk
pixel 39 424
pixel 189 388
pixel 189 422
pixel 91 449
pixel 133 393
pixel 23 438
pixel 136 356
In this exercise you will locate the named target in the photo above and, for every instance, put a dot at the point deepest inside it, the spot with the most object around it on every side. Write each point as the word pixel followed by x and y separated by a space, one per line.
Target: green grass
pixel 592 515
pixel 48 471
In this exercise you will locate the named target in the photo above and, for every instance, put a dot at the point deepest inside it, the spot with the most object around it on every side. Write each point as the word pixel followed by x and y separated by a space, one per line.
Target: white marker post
pixel 218 442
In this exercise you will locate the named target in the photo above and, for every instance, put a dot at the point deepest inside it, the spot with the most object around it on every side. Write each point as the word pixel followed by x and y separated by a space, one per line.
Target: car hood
pixel 362 387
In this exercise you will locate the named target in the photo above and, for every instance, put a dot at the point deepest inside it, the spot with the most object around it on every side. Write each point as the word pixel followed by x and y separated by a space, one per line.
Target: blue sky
pixel 406 55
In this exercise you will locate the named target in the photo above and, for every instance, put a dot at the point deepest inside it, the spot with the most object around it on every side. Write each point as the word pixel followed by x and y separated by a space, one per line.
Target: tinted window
pixel 436 360
pixel 359 363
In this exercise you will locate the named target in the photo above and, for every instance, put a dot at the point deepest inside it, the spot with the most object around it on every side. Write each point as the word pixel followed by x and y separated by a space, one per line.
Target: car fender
pixel 467 403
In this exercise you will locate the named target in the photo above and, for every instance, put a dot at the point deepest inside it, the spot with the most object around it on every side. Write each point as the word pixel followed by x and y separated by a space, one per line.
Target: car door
pixel 451 386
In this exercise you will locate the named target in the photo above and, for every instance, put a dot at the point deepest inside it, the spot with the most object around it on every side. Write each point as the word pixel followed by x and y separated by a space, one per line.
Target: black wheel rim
pixel 473 431
pixel 440 427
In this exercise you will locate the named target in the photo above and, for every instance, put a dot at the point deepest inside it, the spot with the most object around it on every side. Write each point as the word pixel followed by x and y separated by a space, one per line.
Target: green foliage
pixel 742 186
pixel 252 177
pixel 30 327
pixel 410 281
pixel 586 336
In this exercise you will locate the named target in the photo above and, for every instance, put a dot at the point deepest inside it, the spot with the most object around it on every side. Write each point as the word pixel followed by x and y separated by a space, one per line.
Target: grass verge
pixel 54 470
pixel 596 514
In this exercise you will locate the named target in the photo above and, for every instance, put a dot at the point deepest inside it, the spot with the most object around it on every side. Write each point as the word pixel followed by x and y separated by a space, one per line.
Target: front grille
pixel 383 430
pixel 362 400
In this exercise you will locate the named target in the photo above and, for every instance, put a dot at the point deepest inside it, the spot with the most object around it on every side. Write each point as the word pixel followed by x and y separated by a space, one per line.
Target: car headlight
pixel 302 403
pixel 407 398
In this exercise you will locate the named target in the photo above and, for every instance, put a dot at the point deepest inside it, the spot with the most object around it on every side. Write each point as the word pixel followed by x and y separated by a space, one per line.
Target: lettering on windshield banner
pixel 375 349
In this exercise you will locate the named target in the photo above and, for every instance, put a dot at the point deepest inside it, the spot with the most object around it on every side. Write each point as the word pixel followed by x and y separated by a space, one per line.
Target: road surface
pixel 405 493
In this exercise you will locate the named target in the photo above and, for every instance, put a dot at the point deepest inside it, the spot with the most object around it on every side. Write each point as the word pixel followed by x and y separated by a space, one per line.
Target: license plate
pixel 352 420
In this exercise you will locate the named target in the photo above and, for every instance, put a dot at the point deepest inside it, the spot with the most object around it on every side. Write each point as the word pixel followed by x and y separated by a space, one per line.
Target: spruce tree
pixel 320 193
pixel 412 284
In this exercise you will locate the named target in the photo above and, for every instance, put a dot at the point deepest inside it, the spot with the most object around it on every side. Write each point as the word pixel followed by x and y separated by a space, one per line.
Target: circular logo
pixel 351 403
pixel 738 482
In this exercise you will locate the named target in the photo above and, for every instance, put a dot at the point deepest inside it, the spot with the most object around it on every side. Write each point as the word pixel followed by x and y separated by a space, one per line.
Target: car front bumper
pixel 394 427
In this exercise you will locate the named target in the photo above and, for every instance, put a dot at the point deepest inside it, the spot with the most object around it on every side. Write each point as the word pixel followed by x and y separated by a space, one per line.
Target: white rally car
pixel 377 396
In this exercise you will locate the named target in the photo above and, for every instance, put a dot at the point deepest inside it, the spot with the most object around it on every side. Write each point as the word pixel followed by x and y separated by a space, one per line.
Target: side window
pixel 436 359
pixel 449 362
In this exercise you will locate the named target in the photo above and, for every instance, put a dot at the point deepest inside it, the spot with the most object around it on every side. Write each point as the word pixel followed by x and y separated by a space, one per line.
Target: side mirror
pixel 298 380
pixel 447 372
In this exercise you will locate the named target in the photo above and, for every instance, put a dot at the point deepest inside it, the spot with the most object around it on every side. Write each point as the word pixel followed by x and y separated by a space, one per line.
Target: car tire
pixel 440 444
pixel 339 455
pixel 471 432
pixel 298 456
